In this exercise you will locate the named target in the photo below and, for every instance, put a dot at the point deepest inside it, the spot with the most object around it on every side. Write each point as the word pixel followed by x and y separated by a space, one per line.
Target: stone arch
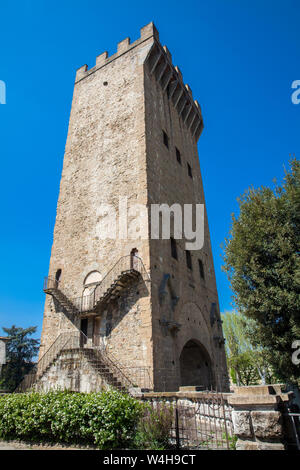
pixel 195 324
pixel 92 277
pixel 195 365
pixel 90 281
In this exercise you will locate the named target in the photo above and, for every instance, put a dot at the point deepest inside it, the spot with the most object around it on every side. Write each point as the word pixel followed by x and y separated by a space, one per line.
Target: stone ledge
pixel 258 395
pixel 274 389
pixel 258 445
pixel 252 400
pixel 184 394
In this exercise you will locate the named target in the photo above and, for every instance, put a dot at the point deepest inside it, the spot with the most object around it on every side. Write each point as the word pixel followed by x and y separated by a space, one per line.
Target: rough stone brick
pixel 241 424
pixel 267 424
pixel 114 148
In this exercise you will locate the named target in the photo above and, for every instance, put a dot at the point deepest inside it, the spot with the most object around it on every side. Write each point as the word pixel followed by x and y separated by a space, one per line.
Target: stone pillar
pixel 257 416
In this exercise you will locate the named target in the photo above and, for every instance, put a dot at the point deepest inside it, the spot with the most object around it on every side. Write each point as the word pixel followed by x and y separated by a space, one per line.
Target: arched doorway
pixel 195 365
pixel 134 258
pixel 89 284
pixel 94 277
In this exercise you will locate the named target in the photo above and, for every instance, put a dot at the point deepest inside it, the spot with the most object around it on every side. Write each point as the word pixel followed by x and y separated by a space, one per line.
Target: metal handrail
pixel 110 362
pixel 66 340
pixel 139 376
pixel 87 303
pixel 128 376
pixel 50 283
pixel 133 375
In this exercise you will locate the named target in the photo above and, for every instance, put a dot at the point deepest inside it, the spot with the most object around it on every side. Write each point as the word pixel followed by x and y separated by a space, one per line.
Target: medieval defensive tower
pixel 147 309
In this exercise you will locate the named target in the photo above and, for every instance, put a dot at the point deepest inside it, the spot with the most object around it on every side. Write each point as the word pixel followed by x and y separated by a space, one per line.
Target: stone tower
pixel 149 306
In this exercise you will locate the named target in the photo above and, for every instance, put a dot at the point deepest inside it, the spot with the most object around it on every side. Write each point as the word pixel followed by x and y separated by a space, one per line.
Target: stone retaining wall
pixel 257 415
pixel 72 371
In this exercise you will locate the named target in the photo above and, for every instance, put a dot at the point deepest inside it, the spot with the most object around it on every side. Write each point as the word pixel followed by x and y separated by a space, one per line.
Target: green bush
pixel 108 419
pixel 154 428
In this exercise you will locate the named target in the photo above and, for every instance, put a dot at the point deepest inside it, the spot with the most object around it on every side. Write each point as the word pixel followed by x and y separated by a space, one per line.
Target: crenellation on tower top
pixel 101 59
pixel 81 72
pixel 148 31
pixel 198 106
pixel 171 79
pixel 179 73
pixel 189 90
pixel 161 65
pixel 168 53
pixel 123 46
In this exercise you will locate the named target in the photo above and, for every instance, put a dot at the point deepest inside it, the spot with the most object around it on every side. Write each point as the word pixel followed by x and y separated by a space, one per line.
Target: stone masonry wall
pixel 104 160
pixel 169 183
pixel 115 149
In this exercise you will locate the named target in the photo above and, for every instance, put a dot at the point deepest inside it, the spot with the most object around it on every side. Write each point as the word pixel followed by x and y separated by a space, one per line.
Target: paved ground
pixel 16 445
pixel 7 446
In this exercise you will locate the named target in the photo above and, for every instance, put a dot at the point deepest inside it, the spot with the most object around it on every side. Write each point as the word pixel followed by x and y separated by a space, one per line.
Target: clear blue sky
pixel 239 57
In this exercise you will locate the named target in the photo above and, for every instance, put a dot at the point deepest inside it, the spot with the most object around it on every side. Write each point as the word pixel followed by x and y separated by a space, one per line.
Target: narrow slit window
pixel 173 248
pixel 178 155
pixel 188 259
pixel 166 139
pixel 190 170
pixel 201 269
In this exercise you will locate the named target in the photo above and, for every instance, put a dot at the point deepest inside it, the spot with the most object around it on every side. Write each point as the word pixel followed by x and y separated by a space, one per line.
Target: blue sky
pixel 240 58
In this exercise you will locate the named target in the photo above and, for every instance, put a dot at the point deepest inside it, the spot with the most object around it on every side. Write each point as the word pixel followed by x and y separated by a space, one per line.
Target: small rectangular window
pixel 201 269
pixel 189 170
pixel 188 259
pixel 173 248
pixel 178 155
pixel 166 139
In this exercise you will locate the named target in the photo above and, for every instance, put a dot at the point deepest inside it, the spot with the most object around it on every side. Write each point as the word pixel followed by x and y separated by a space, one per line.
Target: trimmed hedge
pixel 108 419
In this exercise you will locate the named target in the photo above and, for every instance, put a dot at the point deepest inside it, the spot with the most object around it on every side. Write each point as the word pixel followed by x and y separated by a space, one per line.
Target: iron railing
pixel 117 370
pixel 132 376
pixel 140 376
pixel 199 423
pixel 129 264
pixel 66 340
pixel 50 283
pixel 76 340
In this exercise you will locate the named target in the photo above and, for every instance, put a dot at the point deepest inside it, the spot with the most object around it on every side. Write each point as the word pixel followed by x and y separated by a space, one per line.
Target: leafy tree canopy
pixel 20 351
pixel 262 263
pixel 247 363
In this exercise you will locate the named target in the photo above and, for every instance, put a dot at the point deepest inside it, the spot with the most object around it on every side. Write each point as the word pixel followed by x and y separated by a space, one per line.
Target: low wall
pixel 201 420
pixel 258 417
pixel 255 415
pixel 208 406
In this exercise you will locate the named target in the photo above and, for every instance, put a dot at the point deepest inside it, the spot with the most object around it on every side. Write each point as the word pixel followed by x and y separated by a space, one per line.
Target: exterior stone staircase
pixel 73 342
pixel 124 273
pixel 107 371
pixel 127 270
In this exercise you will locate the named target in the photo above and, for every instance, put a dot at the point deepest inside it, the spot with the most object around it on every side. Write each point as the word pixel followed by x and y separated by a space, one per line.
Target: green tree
pixel 20 351
pixel 263 266
pixel 247 363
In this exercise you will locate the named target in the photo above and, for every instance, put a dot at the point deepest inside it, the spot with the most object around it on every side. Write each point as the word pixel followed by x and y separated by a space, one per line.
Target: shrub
pixel 108 419
pixel 154 428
